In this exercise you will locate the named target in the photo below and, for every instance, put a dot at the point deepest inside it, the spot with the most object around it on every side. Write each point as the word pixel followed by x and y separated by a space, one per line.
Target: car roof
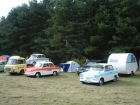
pixel 44 62
pixel 98 61
pixel 37 54
pixel 104 64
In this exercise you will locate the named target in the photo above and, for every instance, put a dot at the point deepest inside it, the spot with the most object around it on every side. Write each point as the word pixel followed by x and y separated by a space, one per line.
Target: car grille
pixel 83 69
pixel 7 69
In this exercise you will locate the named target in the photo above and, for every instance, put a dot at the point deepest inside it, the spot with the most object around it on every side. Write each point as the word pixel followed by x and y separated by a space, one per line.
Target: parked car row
pixel 118 63
pixel 92 71
pixel 17 64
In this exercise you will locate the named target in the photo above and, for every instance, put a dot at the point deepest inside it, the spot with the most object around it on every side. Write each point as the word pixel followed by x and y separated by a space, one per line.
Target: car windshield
pixel 12 62
pixel 33 56
pixel 89 63
pixel 97 68
pixel 2 63
pixel 38 65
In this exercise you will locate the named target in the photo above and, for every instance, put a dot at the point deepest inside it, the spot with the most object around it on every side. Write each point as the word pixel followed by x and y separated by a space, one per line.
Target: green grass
pixel 65 89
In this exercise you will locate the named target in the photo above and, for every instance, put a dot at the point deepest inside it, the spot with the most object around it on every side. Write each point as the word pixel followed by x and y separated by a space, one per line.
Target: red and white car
pixel 41 69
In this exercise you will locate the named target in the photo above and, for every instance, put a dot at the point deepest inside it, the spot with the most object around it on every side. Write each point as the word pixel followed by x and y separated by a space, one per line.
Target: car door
pixel 111 72
pixel 39 58
pixel 47 69
pixel 107 73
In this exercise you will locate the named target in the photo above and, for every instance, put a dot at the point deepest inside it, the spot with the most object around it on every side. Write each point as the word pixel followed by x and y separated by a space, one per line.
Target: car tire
pixel 83 82
pixel 131 74
pixel 101 82
pixel 34 63
pixel 55 73
pixel 22 72
pixel 115 78
pixel 37 75
pixel 8 73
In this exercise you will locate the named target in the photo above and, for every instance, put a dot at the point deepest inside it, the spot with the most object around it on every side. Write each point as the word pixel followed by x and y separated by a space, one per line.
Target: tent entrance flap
pixel 65 67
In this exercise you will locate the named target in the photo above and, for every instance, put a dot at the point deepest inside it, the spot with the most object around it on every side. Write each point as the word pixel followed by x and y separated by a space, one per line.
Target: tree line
pixel 72 29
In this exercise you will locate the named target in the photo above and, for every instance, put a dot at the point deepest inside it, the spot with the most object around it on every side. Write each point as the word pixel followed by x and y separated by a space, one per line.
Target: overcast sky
pixel 7 5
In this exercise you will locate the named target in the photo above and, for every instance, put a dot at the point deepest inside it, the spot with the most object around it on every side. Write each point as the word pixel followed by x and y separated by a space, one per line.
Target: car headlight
pixel 28 61
pixel 87 69
pixel 12 69
pixel 81 76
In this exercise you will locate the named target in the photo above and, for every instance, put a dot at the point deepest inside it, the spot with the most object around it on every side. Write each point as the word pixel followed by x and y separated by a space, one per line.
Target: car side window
pixel 46 65
pixel 107 68
pixel 20 61
pixel 39 56
pixel 111 67
pixel 43 56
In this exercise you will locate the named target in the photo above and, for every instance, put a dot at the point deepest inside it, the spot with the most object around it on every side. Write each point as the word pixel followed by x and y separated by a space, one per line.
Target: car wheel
pixel 34 63
pixel 37 75
pixel 22 72
pixel 131 74
pixel 54 73
pixel 8 73
pixel 115 78
pixel 83 82
pixel 101 82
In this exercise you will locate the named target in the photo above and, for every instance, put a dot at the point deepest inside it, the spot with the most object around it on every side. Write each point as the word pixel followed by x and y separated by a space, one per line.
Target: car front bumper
pixel 89 80
pixel 81 71
pixel 29 74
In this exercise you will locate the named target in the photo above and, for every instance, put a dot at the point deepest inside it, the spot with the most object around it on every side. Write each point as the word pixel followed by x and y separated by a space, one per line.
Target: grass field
pixel 65 89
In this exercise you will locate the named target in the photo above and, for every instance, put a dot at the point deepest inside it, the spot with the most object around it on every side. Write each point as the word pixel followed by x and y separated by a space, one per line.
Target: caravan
pixel 125 63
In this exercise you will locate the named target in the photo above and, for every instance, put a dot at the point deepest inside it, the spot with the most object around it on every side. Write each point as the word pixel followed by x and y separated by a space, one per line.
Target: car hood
pixel 90 73
pixel 85 68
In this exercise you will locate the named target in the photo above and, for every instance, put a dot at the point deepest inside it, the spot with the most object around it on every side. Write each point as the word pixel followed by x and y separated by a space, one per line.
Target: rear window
pixel 89 63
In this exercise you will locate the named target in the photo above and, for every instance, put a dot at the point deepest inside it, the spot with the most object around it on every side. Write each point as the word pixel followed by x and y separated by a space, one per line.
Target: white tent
pixel 70 66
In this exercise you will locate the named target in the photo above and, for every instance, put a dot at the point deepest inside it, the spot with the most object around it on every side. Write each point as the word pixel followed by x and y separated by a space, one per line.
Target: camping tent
pixel 6 56
pixel 2 58
pixel 70 66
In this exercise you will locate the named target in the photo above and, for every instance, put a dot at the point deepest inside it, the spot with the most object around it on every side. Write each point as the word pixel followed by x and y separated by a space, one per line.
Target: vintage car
pixel 41 69
pixel 2 64
pixel 86 66
pixel 34 58
pixel 99 73
pixel 15 64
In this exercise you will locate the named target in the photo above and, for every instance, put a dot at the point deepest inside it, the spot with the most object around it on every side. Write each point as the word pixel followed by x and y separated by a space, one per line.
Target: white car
pixel 41 69
pixel 99 73
pixel 34 58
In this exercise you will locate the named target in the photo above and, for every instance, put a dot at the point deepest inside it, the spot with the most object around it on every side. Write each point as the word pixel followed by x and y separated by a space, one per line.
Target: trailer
pixel 125 63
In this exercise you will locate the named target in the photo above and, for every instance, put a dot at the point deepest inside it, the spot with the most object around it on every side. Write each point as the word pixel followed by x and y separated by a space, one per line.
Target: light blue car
pixel 99 73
